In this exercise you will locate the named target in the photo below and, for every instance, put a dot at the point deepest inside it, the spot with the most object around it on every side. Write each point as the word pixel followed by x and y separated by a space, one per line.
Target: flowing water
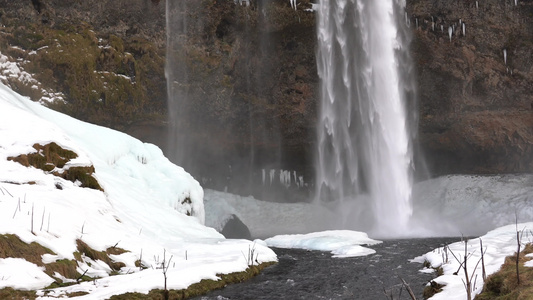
pixel 364 158
pixel 302 274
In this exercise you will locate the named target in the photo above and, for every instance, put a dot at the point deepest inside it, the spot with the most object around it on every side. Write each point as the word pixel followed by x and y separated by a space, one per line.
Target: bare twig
pixel 165 264
pixel 518 258
pixel 82 228
pixel 32 206
pixel 141 261
pixel 10 193
pixel 42 219
pixel 79 278
pixel 408 288
pixel 468 283
pixel 483 272
pixel 17 208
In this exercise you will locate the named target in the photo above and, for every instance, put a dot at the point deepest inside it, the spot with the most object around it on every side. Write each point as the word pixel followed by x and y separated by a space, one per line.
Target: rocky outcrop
pixel 106 58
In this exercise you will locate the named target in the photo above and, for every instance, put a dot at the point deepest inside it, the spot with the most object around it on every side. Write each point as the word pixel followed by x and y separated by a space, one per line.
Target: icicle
pixel 301 181
pixel 272 173
pixel 285 178
pixel 477 5
pixel 406 19
pixel 264 176
pixel 450 31
pixel 515 2
pixel 464 29
pixel 460 22
pixel 295 178
pixel 432 26
pixel 505 56
pixel 441 28
pixel 293 4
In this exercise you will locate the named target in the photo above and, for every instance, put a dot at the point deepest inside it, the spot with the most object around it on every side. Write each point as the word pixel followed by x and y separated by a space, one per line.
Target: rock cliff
pixel 252 83
pixel 475 88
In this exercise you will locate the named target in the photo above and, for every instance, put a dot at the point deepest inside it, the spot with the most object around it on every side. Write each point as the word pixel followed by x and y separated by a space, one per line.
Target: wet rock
pixel 236 229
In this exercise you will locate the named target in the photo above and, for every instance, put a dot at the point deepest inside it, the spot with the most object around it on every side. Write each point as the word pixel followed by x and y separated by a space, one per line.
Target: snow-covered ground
pixel 497 244
pixel 142 209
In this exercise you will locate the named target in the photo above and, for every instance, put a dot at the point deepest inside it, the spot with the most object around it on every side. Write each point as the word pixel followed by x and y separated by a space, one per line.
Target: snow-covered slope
pixel 143 208
pixel 497 245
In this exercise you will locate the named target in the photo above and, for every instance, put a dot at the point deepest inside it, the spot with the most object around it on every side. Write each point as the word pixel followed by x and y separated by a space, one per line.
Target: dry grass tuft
pixel 83 248
pixel 503 285
pixel 12 246
pixel 12 294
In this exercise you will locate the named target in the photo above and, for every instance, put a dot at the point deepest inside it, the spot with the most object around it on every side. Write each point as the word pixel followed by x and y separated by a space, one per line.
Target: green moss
pixel 83 175
pixel 116 42
pixel 69 59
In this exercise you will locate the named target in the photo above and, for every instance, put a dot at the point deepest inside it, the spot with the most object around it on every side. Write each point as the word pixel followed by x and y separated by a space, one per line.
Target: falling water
pixel 177 78
pixel 364 145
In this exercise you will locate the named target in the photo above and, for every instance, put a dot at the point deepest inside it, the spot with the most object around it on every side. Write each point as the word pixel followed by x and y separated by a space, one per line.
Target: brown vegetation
pixel 199 288
pixel 52 156
pixel 503 285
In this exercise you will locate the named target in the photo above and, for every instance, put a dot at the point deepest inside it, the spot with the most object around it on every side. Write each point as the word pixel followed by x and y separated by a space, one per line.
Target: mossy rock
pixel 89 69
pixel 52 156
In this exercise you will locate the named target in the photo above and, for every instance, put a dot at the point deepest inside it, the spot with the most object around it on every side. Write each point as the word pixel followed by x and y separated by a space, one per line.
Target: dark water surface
pixel 302 274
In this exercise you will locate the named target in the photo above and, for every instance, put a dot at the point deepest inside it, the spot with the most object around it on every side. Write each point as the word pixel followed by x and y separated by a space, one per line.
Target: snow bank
pixel 342 243
pixel 498 244
pixel 125 166
pixel 142 210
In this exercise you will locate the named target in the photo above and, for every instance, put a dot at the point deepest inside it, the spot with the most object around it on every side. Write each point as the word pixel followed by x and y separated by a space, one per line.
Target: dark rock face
pixel 106 57
pixel 251 84
pixel 476 113
pixel 253 88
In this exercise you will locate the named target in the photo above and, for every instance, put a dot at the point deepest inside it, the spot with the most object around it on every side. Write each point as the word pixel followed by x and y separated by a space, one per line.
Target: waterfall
pixel 364 155
pixel 177 78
